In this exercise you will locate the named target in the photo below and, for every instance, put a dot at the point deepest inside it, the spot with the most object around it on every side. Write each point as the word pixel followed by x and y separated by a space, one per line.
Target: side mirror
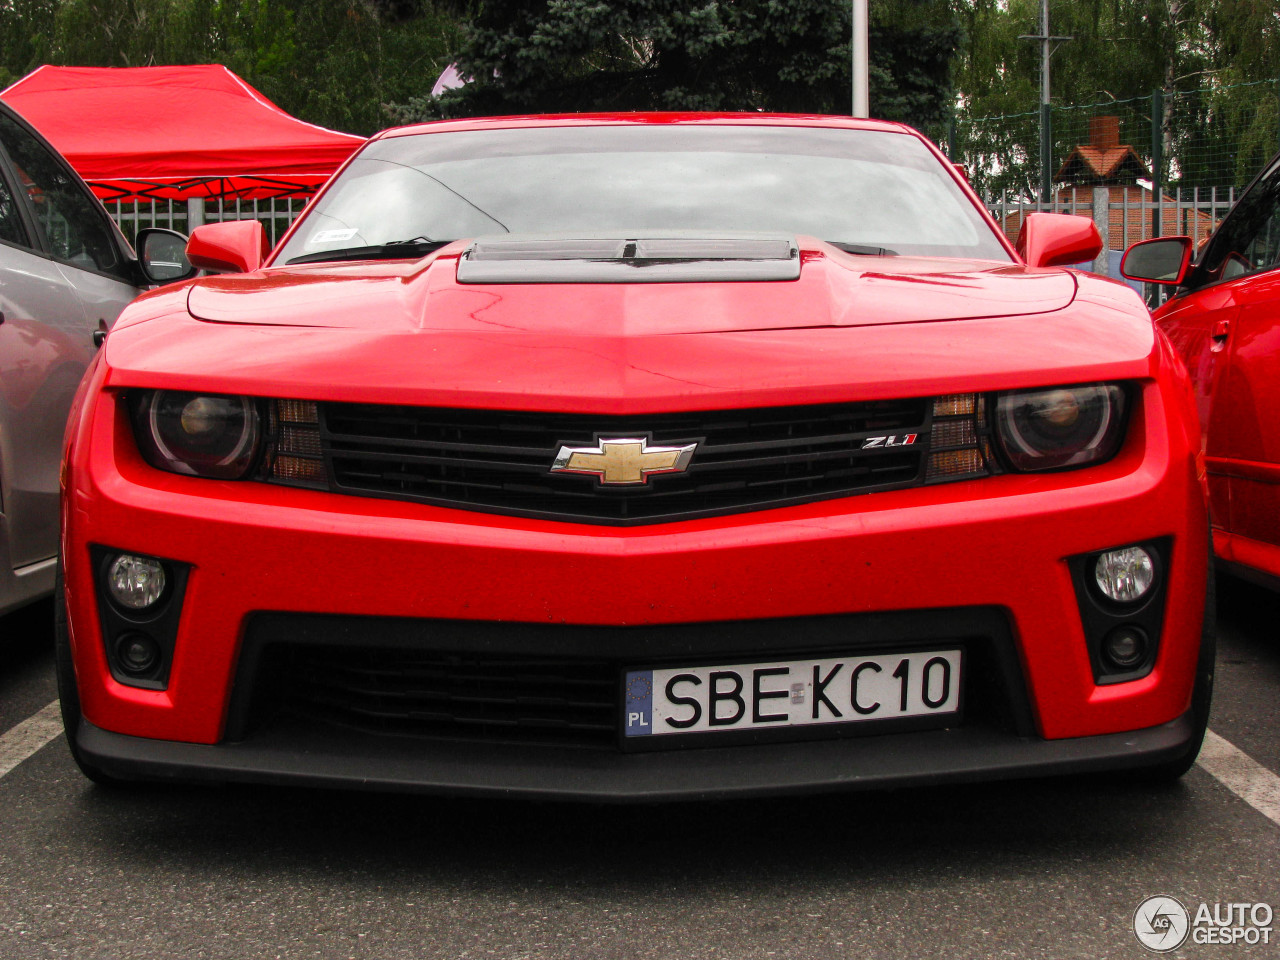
pixel 237 246
pixel 1162 260
pixel 1058 239
pixel 161 255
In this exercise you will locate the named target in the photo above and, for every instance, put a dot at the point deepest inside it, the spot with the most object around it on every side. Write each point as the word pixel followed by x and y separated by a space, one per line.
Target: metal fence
pixel 184 215
pixel 1125 215
pixel 1212 137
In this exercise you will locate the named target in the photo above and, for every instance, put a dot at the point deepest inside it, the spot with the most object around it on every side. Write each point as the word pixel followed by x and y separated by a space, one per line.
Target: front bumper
pixel 996 548
pixel 303 755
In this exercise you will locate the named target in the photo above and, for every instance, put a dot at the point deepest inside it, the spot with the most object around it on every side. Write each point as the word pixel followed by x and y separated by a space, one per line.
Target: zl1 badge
pixel 894 440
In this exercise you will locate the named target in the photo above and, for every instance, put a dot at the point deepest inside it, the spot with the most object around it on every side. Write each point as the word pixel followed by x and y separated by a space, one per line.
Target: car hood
pixel 833 289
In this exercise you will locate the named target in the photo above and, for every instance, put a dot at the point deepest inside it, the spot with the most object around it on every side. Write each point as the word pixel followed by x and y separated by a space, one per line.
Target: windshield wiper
pixel 395 250
pixel 857 248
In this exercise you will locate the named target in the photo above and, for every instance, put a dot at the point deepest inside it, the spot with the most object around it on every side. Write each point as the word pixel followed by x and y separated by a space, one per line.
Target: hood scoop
pixel 639 260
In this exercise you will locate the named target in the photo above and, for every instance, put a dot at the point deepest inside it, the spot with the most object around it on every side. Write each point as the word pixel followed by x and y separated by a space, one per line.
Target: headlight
pixel 1060 427
pixel 199 434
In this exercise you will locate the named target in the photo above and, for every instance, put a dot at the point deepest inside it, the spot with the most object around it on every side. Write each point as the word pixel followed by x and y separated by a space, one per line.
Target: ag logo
pixel 1161 924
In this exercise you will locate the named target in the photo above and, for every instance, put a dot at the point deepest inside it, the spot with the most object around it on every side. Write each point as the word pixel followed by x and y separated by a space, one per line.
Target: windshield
pixel 885 192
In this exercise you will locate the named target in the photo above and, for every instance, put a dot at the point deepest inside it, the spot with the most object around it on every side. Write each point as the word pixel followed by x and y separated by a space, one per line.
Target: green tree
pixel 583 55
pixel 1197 53
pixel 25 37
pixel 913 59
pixel 1120 50
pixel 331 62
pixel 1246 48
pixel 345 59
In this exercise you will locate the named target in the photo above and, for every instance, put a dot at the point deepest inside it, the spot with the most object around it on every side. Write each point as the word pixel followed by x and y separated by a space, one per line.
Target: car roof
pixel 642 119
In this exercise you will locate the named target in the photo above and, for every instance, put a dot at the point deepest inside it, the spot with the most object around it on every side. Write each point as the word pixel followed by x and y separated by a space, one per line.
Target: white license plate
pixel 794 693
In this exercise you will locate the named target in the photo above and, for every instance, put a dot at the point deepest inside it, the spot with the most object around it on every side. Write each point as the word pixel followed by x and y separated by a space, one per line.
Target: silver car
pixel 65 274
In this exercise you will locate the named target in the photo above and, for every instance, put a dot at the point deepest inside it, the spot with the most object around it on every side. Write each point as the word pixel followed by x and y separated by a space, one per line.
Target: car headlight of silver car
pixel 197 434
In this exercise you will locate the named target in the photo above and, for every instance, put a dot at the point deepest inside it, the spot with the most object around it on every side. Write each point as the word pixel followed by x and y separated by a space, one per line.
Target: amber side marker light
pixel 959 442
pixel 297 457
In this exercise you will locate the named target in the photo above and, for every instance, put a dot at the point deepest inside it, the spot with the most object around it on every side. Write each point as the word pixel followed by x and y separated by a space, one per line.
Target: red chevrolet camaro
pixel 630 457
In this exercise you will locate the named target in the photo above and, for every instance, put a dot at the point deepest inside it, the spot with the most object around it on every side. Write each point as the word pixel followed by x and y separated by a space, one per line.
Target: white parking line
pixel 20 742
pixel 1242 775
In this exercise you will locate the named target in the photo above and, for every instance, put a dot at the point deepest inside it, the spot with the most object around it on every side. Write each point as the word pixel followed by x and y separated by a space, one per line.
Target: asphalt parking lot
pixel 1024 869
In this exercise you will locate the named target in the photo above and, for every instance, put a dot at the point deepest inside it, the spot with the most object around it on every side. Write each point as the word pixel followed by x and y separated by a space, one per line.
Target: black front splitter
pixel 300 754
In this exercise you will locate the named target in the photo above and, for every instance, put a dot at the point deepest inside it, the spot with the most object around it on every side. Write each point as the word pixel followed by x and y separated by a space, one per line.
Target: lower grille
pixel 456 697
pixel 475 682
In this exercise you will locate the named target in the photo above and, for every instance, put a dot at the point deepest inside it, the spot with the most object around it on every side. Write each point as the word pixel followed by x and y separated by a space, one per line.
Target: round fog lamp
pixel 1125 647
pixel 138 654
pixel 1125 575
pixel 135 582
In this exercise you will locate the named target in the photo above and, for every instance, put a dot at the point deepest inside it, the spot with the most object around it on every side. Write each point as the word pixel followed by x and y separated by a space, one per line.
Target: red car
pixel 630 457
pixel 1224 320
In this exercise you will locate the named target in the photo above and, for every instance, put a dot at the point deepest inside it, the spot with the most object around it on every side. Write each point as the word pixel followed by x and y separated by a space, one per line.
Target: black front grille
pixel 501 461
pixel 456 696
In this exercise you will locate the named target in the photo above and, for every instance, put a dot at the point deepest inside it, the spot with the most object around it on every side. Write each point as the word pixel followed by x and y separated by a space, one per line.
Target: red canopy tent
pixel 176 133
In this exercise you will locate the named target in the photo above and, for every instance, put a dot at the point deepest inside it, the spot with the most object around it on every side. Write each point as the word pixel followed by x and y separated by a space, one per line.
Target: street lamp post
pixel 861 61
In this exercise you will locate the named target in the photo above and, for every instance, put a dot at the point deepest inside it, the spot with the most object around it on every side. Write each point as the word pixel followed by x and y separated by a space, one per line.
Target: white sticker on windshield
pixel 332 236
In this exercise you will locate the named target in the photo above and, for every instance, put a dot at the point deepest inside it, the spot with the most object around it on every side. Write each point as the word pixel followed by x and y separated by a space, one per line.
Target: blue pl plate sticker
pixel 638 708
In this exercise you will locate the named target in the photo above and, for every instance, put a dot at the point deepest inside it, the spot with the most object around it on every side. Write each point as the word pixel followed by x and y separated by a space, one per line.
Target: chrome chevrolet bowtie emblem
pixel 625 460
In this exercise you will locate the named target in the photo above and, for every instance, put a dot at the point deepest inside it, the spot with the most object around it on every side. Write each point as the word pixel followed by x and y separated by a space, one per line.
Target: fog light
pixel 1125 575
pixel 137 653
pixel 1125 647
pixel 135 582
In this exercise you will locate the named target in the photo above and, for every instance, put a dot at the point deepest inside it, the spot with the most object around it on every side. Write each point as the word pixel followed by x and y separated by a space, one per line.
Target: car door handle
pixel 1221 329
